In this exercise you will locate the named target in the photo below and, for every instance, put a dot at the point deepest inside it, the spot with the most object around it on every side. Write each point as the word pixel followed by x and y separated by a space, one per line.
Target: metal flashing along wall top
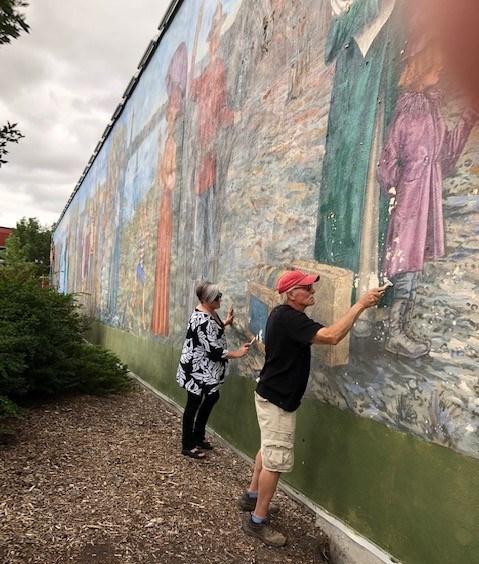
pixel 108 128
pixel 130 87
pixel 152 46
pixel 170 12
pixel 148 52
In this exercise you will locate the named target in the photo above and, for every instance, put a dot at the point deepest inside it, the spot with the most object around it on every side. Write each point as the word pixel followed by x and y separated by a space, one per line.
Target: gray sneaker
pixel 262 531
pixel 247 503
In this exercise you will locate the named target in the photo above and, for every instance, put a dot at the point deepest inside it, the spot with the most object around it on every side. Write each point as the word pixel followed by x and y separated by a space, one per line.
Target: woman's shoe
pixel 205 445
pixel 193 453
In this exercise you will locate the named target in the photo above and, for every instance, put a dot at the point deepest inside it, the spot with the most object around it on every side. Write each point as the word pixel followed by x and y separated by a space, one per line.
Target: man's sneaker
pixel 247 503
pixel 262 531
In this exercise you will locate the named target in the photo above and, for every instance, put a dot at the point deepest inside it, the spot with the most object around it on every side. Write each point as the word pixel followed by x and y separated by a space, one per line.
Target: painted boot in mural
pixel 408 326
pixel 398 341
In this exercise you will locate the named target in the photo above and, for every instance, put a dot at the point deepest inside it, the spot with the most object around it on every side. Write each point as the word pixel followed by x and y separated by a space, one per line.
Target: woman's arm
pixel 238 353
pixel 208 337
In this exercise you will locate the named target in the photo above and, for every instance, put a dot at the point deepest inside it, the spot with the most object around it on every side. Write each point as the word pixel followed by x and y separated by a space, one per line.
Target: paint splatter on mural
pixel 322 134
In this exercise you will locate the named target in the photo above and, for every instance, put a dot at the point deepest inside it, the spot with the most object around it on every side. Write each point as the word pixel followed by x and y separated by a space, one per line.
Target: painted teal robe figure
pixel 364 40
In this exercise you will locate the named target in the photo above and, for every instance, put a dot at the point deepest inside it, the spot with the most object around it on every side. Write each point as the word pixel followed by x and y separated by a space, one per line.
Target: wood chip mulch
pixel 102 480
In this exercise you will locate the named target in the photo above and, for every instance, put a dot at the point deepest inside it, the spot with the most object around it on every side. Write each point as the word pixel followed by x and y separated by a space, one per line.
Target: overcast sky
pixel 61 83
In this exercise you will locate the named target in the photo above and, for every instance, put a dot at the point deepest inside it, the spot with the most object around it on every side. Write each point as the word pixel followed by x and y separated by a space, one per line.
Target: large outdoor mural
pixel 265 134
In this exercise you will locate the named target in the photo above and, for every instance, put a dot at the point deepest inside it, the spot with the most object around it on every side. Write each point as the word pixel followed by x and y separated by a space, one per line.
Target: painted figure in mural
pixel 202 367
pixel 74 250
pixel 63 264
pixel 209 92
pixel 419 152
pixel 94 269
pixel 111 225
pixel 282 383
pixel 86 250
pixel 176 78
pixel 363 40
pixel 88 245
pixel 103 206
pixel 140 271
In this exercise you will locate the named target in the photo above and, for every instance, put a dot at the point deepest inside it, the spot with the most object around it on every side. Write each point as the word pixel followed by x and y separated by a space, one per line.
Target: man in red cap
pixel 282 383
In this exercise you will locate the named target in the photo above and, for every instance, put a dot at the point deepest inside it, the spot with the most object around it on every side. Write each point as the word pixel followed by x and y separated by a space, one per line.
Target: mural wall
pixel 266 133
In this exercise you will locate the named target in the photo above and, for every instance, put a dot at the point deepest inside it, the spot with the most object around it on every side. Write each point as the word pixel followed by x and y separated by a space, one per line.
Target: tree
pixel 8 134
pixel 12 23
pixel 29 244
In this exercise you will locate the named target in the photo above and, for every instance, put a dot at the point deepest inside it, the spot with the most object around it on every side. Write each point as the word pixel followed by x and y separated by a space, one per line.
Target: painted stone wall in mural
pixel 324 135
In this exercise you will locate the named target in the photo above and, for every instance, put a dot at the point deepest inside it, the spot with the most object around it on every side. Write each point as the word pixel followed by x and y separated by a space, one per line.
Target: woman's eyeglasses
pixel 218 297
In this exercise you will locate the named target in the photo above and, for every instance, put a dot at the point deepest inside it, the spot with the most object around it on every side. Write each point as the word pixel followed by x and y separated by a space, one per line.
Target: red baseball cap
pixel 295 278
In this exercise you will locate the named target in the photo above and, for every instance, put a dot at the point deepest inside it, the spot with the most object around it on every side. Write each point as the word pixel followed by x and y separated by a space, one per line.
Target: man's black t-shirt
pixel 285 373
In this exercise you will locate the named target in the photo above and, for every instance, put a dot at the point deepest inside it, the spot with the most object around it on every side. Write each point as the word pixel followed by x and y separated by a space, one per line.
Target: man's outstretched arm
pixel 333 334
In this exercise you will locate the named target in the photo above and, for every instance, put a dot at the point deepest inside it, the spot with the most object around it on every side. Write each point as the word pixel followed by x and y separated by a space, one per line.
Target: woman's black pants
pixel 195 417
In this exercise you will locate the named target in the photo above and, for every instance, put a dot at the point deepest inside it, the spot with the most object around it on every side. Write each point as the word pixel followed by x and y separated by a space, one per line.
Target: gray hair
pixel 206 291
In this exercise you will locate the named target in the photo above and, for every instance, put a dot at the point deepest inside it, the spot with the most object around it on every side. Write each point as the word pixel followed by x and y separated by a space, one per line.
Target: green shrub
pixel 100 371
pixel 42 349
pixel 8 410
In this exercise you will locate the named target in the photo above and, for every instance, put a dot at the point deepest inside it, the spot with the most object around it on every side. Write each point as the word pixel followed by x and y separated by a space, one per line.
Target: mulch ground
pixel 102 480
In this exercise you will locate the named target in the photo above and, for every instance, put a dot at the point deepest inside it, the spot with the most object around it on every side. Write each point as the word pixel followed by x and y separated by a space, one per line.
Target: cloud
pixel 62 83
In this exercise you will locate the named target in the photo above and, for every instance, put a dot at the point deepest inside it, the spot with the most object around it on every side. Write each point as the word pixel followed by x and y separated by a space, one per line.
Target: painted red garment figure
pixel 167 162
pixel 208 90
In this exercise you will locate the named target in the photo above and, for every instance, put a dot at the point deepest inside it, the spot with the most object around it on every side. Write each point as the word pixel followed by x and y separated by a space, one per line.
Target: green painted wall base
pixel 417 500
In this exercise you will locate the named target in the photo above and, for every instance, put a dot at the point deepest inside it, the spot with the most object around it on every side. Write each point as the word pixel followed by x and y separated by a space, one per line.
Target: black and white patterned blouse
pixel 203 364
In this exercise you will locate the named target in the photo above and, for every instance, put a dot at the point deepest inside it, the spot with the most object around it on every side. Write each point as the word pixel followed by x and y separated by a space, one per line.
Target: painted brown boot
pixel 407 326
pixel 398 342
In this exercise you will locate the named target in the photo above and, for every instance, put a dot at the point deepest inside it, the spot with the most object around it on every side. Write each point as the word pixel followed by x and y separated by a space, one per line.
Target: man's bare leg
pixel 258 466
pixel 257 524
pixel 266 487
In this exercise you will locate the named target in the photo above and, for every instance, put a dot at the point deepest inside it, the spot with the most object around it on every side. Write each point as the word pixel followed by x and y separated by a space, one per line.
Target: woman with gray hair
pixel 202 366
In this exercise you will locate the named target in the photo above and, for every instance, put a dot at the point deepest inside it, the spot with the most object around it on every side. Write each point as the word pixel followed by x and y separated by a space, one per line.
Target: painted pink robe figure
pixel 419 152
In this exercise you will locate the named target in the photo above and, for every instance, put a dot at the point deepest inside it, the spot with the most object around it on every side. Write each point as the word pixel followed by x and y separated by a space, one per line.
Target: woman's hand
pixel 240 352
pixel 243 350
pixel 230 316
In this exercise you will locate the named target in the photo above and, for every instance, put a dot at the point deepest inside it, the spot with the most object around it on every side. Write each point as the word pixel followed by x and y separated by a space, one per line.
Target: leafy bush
pixel 99 371
pixel 8 410
pixel 42 350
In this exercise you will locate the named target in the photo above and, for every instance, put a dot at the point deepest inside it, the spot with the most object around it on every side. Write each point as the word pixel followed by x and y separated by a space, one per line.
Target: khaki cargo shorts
pixel 277 435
